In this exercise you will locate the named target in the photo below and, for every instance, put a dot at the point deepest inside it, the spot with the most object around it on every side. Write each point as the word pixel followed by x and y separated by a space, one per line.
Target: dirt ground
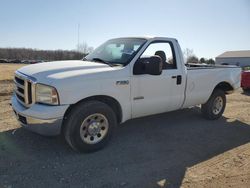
pixel 176 149
pixel 7 70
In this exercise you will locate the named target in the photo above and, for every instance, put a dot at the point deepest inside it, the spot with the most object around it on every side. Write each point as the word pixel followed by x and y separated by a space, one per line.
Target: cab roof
pixel 147 38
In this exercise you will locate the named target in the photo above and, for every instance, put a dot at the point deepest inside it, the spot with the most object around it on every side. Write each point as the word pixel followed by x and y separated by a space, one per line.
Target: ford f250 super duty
pixel 122 79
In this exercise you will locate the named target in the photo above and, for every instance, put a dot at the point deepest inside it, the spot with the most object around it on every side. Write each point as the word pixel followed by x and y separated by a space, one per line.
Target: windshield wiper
pixel 102 61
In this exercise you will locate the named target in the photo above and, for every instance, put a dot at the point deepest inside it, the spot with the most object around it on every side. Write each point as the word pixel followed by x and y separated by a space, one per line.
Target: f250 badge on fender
pixel 122 82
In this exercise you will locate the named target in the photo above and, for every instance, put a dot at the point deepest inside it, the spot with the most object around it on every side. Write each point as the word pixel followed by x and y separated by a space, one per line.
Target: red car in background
pixel 245 79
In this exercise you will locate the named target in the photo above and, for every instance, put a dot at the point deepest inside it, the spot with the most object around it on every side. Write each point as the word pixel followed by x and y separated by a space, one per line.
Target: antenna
pixel 78 38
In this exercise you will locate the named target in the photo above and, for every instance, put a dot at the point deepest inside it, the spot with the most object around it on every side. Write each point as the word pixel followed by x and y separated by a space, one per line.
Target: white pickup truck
pixel 122 79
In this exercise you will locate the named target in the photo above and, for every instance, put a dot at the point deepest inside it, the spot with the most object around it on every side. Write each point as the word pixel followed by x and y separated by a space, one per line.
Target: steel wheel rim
pixel 218 105
pixel 94 128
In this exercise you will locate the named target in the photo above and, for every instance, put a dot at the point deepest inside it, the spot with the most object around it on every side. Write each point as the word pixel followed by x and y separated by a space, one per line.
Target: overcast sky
pixel 208 27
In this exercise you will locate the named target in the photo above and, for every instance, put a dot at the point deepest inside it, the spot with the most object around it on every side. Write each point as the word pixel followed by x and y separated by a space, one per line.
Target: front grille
pixel 24 89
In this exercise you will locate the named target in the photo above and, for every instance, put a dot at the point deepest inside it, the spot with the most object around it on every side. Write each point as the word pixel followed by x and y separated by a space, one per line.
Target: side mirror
pixel 153 66
pixel 148 65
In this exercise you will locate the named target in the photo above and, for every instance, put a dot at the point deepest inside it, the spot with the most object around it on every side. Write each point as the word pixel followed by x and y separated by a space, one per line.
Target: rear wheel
pixel 215 106
pixel 89 126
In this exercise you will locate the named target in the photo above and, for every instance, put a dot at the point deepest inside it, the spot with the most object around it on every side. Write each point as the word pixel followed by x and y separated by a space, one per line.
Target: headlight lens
pixel 46 94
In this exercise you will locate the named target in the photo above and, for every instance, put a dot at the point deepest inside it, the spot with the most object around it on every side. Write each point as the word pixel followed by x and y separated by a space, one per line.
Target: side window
pixel 165 51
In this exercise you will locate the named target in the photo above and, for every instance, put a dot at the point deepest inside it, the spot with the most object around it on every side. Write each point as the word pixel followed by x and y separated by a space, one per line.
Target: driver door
pixel 152 94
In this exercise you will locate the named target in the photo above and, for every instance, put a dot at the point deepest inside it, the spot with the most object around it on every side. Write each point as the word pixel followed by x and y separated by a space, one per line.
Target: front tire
pixel 89 126
pixel 215 106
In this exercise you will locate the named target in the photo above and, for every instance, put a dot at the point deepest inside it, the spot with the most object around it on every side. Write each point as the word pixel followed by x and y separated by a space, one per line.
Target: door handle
pixel 178 80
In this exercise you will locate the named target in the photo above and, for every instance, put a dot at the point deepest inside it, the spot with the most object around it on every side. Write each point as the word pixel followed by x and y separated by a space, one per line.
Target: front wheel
pixel 89 126
pixel 215 106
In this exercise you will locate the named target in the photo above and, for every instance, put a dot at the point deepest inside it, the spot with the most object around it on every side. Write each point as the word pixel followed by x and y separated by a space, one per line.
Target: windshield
pixel 116 51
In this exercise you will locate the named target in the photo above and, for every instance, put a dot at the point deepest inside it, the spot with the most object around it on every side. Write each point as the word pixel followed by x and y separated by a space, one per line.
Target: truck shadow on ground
pixel 142 152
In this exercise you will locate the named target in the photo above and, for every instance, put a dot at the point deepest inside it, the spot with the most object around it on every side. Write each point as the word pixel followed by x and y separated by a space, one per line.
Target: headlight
pixel 46 94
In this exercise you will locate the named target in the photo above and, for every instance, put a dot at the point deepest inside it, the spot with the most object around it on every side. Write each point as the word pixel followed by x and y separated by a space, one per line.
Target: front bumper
pixel 41 119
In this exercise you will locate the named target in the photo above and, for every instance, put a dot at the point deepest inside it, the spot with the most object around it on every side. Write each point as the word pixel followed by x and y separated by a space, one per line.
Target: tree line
pixel 190 57
pixel 44 55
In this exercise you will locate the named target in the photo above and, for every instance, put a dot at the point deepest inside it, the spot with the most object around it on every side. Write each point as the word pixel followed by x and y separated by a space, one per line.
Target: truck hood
pixel 50 72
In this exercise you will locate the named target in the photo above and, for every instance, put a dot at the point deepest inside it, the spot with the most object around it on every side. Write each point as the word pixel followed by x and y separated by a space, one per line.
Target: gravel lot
pixel 168 150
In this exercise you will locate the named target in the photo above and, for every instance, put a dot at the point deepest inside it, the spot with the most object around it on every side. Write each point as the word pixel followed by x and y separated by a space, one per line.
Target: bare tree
pixel 187 53
pixel 84 48
pixel 202 60
pixel 189 56
pixel 192 59
pixel 210 61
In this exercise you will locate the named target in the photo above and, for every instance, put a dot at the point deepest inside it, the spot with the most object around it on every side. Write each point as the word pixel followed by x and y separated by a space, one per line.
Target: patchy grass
pixel 7 70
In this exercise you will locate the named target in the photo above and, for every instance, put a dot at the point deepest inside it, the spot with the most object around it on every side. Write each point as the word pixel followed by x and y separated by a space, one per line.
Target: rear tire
pixel 89 126
pixel 215 106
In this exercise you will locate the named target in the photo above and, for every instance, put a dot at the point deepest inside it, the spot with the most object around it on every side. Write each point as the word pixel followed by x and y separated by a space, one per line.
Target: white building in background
pixel 240 58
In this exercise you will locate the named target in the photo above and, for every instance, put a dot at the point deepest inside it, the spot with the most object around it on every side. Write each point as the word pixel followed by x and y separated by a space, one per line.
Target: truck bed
pixel 201 82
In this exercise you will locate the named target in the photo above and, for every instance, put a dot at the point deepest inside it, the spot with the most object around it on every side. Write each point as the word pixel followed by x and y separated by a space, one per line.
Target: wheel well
pixel 226 87
pixel 110 101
